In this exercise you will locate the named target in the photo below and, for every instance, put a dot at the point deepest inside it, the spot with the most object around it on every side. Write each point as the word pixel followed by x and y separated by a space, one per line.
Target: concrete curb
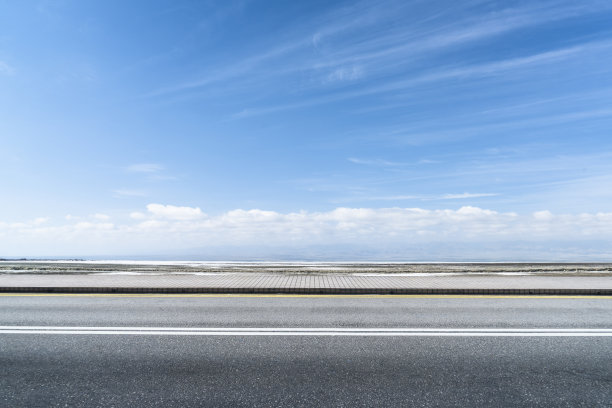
pixel 309 291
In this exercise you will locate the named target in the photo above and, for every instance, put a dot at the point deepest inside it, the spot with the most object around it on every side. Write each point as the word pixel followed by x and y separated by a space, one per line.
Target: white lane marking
pixel 308 331
pixel 274 329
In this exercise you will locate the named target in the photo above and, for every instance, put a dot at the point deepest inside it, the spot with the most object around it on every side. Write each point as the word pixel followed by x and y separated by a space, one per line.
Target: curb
pixel 310 291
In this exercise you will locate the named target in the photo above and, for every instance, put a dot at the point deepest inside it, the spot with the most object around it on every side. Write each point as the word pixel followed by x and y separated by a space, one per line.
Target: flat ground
pixel 122 369
pixel 38 267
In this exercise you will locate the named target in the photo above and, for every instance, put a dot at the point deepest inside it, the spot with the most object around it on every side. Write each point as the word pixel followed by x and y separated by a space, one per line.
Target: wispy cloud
pixel 145 168
pixel 345 74
pixel 388 163
pixel 6 69
pixel 465 195
pixel 130 193
pixel 477 123
pixel 516 63
pixel 491 69
pixel 227 73
pixel 378 162
pixel 151 171
pixel 488 68
pixel 349 52
pixel 421 197
pixel 299 39
pixel 400 42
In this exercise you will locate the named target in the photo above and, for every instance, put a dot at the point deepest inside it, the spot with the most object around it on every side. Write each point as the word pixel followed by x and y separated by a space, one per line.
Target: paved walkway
pixel 278 283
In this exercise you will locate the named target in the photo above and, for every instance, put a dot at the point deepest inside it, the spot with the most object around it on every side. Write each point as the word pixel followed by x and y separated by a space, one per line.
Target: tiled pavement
pixel 328 283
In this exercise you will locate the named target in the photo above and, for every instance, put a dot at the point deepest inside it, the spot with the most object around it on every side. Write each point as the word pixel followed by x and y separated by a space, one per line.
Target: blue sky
pixel 166 127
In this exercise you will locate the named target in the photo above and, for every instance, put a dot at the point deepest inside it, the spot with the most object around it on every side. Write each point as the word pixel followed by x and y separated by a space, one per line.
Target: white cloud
pixel 176 229
pixel 152 224
pixel 342 224
pixel 174 212
pixel 101 217
pixel 543 215
pixel 40 220
pixel 93 226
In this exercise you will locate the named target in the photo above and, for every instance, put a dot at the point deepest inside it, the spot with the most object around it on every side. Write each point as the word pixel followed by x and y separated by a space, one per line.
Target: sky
pixel 337 130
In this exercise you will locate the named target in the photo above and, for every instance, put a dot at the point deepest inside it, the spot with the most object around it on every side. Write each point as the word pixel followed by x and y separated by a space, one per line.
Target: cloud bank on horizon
pixel 372 128
pixel 402 233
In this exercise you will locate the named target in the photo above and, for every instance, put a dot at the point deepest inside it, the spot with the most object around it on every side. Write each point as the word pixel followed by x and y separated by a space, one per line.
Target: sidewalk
pixel 308 284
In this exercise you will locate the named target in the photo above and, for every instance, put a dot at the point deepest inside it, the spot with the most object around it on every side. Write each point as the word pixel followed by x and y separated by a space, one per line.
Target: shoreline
pixel 132 267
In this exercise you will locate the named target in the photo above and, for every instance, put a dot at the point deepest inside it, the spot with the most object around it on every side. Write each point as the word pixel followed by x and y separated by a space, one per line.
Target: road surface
pixel 145 351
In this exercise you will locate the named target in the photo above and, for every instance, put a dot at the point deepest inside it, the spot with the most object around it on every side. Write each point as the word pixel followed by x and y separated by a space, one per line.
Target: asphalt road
pixel 529 368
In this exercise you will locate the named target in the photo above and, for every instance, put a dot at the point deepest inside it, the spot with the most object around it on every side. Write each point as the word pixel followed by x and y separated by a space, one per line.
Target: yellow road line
pixel 252 295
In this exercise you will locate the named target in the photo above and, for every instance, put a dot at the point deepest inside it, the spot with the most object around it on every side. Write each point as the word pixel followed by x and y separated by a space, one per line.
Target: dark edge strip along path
pixel 312 291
